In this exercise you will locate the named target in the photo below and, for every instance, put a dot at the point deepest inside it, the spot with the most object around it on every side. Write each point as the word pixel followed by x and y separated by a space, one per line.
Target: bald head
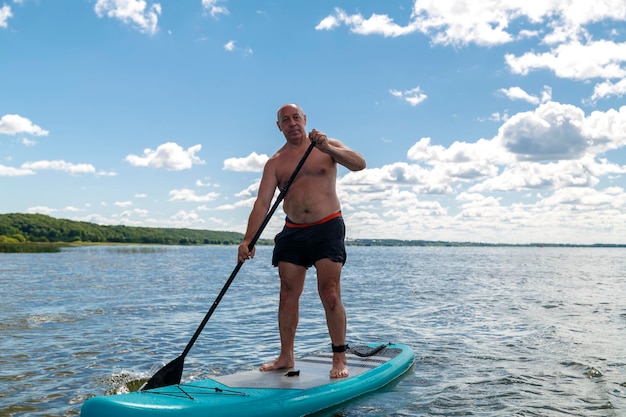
pixel 286 106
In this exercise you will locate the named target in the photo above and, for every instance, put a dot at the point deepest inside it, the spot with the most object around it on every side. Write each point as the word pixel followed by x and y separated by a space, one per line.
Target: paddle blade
pixel 170 374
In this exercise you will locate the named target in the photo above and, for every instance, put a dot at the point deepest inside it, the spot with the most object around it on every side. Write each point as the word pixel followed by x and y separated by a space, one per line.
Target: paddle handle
pixel 255 238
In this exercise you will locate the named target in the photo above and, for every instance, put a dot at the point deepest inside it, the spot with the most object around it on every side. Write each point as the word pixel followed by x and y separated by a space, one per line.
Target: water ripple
pixel 496 331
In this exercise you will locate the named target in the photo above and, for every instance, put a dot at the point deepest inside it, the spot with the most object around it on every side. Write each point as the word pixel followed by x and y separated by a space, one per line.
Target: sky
pixel 493 121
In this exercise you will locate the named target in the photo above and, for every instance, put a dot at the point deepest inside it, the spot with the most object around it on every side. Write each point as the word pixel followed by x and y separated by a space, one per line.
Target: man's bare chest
pixel 316 167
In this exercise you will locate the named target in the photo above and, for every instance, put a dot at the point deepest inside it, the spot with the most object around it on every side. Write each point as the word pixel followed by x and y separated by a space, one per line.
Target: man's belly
pixel 310 213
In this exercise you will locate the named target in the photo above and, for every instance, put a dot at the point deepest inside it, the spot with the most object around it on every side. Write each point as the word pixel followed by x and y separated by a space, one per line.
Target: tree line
pixel 16 228
pixel 40 228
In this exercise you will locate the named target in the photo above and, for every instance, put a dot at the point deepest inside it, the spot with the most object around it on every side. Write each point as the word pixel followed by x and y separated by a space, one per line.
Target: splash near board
pixel 301 390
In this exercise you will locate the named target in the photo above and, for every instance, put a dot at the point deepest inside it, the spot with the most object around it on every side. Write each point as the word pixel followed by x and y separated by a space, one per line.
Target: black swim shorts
pixel 305 244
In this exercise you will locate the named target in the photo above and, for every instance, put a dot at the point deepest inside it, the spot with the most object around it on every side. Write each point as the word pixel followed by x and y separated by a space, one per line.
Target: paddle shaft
pixel 256 237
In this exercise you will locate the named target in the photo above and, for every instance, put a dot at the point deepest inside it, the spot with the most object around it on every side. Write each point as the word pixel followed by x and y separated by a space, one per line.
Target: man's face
pixel 291 122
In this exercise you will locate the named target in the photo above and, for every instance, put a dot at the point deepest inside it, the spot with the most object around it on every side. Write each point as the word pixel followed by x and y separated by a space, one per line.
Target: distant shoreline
pixel 413 243
pixel 53 247
pixel 41 233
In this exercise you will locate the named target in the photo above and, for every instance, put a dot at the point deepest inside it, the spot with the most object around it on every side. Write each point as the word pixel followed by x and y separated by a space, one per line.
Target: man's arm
pixel 345 156
pixel 338 151
pixel 260 209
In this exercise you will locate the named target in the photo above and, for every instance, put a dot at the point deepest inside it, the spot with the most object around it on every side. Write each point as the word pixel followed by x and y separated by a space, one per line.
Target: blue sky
pixel 480 120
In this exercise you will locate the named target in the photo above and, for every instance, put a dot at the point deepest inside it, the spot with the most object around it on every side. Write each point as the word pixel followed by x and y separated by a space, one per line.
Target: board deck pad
pixel 304 389
pixel 312 370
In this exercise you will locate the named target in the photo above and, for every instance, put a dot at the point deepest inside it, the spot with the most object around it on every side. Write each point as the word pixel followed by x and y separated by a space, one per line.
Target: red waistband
pixel 288 223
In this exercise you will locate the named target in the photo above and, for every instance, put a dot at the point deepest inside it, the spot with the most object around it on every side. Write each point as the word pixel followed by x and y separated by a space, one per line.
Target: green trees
pixel 19 228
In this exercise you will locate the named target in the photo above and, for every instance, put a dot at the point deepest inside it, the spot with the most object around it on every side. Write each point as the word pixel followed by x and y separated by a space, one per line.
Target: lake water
pixel 496 331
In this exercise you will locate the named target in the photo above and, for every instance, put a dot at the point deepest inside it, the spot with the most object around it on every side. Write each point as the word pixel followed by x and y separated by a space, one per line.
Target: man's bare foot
pixel 340 366
pixel 279 363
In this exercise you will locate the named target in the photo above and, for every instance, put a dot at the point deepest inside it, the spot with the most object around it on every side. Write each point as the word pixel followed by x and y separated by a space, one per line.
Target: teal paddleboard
pixel 301 390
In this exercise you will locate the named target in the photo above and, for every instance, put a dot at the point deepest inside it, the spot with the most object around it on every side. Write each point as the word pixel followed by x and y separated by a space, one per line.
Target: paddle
pixel 171 373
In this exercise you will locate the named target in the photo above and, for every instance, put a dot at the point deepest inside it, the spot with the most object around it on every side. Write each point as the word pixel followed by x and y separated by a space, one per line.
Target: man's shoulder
pixel 278 155
pixel 279 152
pixel 274 161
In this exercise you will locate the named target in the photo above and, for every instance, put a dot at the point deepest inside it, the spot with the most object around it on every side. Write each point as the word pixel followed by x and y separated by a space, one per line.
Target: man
pixel 314 231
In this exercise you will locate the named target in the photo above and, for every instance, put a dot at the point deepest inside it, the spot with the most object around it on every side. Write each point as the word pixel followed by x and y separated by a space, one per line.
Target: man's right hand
pixel 244 254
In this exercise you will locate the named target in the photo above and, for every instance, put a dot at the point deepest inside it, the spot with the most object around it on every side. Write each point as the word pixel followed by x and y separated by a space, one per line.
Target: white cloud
pixel 447 22
pixel 182 218
pixel 496 117
pixel 330 22
pixel 28 142
pixel 532 175
pixel 480 152
pixel 12 124
pixel 607 129
pixel 188 195
pixel 187 215
pixel 584 197
pixel 213 9
pixel 485 22
pixel 201 183
pixel 546 94
pixel 5 14
pixel 170 156
pixel 231 46
pixel 106 174
pixel 517 93
pixel 40 210
pixel 420 179
pixel 123 203
pixel 575 60
pixel 134 12
pixel 249 202
pixel 466 196
pixel 607 89
pixel 59 165
pixel 250 191
pixel 133 212
pixel 552 131
pixel 572 53
pixel 251 163
pixel 555 147
pixel 14 172
pixel 413 96
pixel 179 219
pixel 376 24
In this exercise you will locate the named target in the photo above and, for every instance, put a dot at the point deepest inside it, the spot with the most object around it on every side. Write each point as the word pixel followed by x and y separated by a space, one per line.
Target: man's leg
pixel 291 286
pixel 329 288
